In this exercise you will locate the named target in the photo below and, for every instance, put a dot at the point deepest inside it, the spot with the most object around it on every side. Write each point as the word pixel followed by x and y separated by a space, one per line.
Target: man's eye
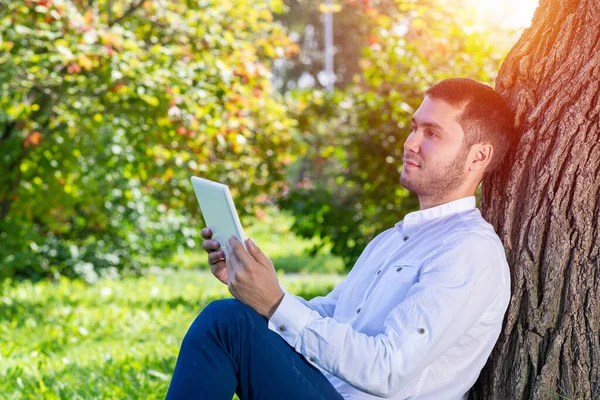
pixel 430 133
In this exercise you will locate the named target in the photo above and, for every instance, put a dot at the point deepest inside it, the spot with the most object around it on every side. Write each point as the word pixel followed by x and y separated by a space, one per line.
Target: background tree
pixel 346 188
pixel 545 206
pixel 107 107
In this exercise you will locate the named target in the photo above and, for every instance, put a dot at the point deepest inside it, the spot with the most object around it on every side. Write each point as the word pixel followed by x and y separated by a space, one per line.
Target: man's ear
pixel 481 156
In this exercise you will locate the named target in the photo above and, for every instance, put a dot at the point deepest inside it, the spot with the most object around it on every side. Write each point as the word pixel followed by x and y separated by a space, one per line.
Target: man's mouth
pixel 411 163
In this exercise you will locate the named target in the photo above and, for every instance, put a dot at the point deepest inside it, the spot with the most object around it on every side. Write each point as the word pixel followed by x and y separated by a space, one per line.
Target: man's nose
pixel 412 143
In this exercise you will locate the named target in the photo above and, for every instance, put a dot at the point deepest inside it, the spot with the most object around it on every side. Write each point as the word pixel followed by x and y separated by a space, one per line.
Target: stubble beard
pixel 439 182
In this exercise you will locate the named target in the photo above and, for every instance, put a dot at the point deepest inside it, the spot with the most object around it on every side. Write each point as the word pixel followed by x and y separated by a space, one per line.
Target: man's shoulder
pixel 470 253
pixel 382 236
pixel 472 227
pixel 478 240
pixel 470 233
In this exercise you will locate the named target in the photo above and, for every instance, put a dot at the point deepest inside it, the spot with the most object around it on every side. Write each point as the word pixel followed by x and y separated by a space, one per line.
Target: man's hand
pixel 252 278
pixel 216 256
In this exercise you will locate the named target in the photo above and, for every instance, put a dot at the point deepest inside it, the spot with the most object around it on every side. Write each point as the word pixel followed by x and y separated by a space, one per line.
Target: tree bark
pixel 545 206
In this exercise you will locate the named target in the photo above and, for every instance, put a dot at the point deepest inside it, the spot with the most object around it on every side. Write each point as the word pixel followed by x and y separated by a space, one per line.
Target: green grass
pixel 119 339
pixel 113 340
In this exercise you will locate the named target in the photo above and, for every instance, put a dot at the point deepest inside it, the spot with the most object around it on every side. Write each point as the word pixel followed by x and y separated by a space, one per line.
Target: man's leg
pixel 229 348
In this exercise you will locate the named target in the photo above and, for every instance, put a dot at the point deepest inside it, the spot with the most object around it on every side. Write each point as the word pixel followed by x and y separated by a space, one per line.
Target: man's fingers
pixel 211 245
pixel 257 253
pixel 215 256
pixel 233 257
pixel 231 266
pixel 237 249
pixel 206 233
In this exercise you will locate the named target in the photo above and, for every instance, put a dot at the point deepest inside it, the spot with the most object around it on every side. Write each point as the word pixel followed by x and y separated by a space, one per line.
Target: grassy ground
pixel 119 339
pixel 114 340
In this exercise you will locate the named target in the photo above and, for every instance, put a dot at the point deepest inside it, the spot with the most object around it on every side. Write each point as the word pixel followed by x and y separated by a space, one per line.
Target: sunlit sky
pixel 505 13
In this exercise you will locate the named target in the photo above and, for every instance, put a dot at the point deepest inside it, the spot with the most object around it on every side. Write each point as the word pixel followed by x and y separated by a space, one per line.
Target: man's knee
pixel 227 309
pixel 217 315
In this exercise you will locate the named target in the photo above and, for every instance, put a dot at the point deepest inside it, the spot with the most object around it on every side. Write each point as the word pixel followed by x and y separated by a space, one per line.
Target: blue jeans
pixel 229 348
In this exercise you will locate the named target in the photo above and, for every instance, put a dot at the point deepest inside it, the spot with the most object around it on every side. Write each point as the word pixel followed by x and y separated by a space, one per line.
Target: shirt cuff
pixel 290 318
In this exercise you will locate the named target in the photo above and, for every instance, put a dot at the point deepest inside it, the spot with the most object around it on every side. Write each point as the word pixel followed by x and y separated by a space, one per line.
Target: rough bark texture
pixel 545 206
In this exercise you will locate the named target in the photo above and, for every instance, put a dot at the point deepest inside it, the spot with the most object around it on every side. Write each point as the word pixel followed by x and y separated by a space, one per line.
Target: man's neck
pixel 426 202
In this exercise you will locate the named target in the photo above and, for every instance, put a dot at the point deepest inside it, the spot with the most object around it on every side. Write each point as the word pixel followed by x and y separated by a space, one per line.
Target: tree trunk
pixel 545 206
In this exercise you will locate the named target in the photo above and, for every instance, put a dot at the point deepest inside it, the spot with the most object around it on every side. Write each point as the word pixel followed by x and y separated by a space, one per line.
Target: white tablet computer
pixel 218 211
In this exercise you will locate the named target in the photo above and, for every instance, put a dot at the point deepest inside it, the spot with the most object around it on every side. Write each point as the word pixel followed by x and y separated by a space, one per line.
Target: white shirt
pixel 418 314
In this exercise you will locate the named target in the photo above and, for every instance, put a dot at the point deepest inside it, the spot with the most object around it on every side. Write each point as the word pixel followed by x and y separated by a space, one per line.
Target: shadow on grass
pixel 171 303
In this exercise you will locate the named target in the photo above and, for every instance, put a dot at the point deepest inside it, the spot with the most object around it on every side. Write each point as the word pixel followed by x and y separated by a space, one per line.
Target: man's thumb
pixel 256 252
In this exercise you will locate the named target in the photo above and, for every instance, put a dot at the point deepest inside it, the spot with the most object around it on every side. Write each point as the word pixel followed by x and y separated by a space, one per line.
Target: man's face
pixel 434 156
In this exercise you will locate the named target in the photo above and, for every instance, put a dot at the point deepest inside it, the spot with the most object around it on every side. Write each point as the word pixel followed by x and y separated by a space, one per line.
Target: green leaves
pixel 100 103
pixel 346 188
pixel 105 113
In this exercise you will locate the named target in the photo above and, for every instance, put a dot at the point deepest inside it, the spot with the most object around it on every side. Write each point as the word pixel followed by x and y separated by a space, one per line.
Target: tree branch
pixel 8 128
pixel 131 9
pixel 7 200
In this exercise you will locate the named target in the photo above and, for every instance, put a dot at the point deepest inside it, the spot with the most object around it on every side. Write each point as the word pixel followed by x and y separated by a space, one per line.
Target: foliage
pixel 106 110
pixel 106 341
pixel 346 189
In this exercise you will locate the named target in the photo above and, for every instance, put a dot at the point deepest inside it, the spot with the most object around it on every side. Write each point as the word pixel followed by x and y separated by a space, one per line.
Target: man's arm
pixel 454 289
pixel 325 305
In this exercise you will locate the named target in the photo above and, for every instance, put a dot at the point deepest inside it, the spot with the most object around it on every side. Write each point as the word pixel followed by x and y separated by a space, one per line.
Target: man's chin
pixel 404 181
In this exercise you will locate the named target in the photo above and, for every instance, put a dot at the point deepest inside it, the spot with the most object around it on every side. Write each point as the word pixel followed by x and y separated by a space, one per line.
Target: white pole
pixel 328 25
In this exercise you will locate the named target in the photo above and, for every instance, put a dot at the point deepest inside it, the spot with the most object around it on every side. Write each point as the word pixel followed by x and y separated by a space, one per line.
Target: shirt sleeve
pixel 456 285
pixel 324 305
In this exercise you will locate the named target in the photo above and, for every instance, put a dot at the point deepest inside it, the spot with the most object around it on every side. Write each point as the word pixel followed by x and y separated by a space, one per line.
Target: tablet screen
pixel 218 210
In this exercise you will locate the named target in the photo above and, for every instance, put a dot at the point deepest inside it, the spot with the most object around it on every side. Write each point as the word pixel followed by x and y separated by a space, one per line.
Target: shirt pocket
pixel 402 277
pixel 404 273
pixel 390 291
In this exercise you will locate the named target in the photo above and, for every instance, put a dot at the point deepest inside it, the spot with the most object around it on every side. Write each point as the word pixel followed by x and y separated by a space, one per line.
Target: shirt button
pixel 357 311
pixel 378 272
pixel 399 269
pixel 312 359
pixel 282 328
pixel 421 331
pixel 405 238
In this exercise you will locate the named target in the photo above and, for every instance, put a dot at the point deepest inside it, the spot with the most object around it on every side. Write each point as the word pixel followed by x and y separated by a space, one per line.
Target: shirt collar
pixel 416 218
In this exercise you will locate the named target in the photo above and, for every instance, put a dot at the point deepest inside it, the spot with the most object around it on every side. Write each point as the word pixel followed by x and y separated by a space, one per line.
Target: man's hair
pixel 485 115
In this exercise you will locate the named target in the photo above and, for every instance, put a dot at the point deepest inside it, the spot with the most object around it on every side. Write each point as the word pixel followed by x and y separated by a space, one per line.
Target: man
pixel 416 317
